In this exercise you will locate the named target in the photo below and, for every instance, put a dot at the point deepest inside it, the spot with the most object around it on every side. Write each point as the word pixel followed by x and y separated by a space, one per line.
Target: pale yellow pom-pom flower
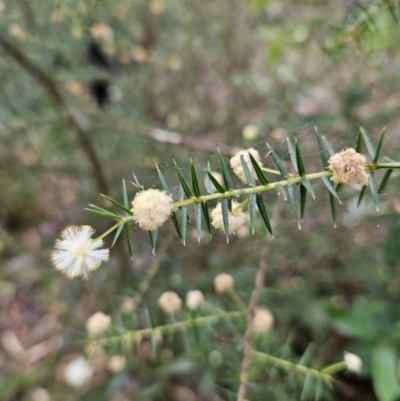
pixel 97 323
pixel 353 362
pixel 223 282
pixel 194 299
pixel 237 218
pixel 237 167
pixel 347 166
pixel 169 302
pixel 151 208
pixel 263 320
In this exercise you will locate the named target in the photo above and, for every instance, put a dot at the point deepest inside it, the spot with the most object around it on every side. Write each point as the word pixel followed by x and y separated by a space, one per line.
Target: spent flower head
pixel 76 253
pixel 353 362
pixel 237 218
pixel 169 302
pixel 223 282
pixel 97 323
pixel 263 320
pixel 151 208
pixel 347 166
pixel 194 299
pixel 237 167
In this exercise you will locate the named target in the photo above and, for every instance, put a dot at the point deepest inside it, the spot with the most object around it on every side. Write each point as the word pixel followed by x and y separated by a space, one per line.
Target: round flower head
pixel 77 372
pixel 77 254
pixel 116 363
pixel 262 320
pixel 347 166
pixel 237 167
pixel 353 362
pixel 151 208
pixel 169 302
pixel 250 132
pixel 97 323
pixel 194 299
pixel 223 282
pixel 237 218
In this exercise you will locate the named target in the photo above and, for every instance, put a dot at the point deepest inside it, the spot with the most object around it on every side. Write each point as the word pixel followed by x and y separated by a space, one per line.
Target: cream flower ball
pixel 169 302
pixel 237 218
pixel 97 323
pixel 263 320
pixel 237 167
pixel 223 282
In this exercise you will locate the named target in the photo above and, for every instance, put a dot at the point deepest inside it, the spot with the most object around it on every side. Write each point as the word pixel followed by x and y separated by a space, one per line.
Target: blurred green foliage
pixel 204 70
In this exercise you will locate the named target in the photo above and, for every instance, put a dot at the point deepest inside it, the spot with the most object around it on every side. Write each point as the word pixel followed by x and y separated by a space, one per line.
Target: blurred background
pixel 92 91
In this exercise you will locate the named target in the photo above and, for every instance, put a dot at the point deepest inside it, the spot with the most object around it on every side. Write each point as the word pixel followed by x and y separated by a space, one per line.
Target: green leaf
pixel 307 388
pixel 327 182
pixel 252 208
pixel 163 182
pixel 384 373
pixel 176 225
pixel 328 146
pixel 247 172
pixel 115 203
pixel 197 219
pixel 185 186
pixel 117 234
pixel 225 217
pixel 319 393
pixel 260 174
pixel 101 211
pixel 303 197
pixel 361 196
pixel 358 146
pixel 125 194
pixel 281 191
pixel 374 190
pixel 216 184
pixel 128 239
pixel 204 207
pixel 368 142
pixel 137 184
pixel 153 240
pixel 378 149
pixel 184 223
pixel 225 173
pixel 293 204
pixel 307 184
pixel 263 212
pixel 385 180
pixel 321 149
pixel 292 154
pixel 283 172
pixel 300 164
pixel 333 208
pixel 195 182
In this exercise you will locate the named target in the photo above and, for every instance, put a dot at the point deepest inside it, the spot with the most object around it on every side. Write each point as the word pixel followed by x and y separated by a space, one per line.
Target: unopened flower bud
pixel 169 302
pixel 263 320
pixel 353 362
pixel 194 299
pixel 97 323
pixel 223 282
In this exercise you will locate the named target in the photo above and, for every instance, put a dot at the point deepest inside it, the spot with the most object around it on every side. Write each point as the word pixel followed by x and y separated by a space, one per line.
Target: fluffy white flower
pixel 236 163
pixel 116 363
pixel 97 323
pixel 263 320
pixel 77 372
pixel 169 302
pixel 194 299
pixel 151 208
pixel 348 166
pixel 353 362
pixel 237 218
pixel 223 282
pixel 76 253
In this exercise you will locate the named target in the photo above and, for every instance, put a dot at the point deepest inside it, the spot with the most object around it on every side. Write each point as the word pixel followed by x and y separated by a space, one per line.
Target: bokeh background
pixel 93 91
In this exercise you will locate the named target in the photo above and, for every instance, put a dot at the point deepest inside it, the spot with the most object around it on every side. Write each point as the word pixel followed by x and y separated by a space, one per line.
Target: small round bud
pixel 237 167
pixel 194 299
pixel 223 282
pixel 263 320
pixel 151 208
pixel 237 218
pixel 250 132
pixel 353 362
pixel 116 363
pixel 77 372
pixel 169 302
pixel 347 166
pixel 97 323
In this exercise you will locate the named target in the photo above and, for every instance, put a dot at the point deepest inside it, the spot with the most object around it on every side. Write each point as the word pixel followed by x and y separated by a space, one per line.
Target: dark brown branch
pixel 56 96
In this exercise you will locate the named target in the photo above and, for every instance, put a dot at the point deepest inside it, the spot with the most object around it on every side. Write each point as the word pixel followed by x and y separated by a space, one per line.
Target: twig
pixel 56 96
pixel 255 295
